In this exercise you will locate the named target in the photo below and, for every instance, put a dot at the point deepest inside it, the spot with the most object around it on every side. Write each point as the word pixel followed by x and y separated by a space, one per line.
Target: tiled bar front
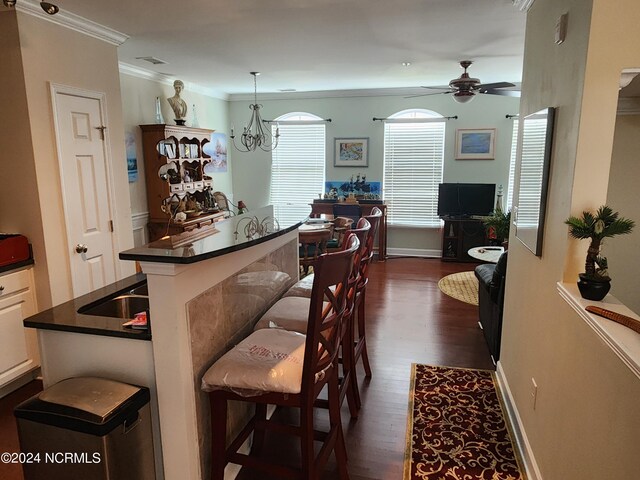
pixel 198 311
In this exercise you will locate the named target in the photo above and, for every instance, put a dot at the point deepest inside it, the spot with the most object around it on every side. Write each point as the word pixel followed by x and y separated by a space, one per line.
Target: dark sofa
pixel 491 280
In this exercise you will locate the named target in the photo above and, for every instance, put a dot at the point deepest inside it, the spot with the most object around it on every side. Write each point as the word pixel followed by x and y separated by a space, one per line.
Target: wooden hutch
pixel 175 163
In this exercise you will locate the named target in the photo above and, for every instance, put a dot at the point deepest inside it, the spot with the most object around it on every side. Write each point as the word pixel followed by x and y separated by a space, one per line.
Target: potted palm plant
pixel 595 282
pixel 497 227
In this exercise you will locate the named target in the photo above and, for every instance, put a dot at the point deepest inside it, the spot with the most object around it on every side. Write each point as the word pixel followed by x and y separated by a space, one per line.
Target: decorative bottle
pixel 159 117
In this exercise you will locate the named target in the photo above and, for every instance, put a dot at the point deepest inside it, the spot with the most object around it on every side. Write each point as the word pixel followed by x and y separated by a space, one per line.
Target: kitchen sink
pixel 124 306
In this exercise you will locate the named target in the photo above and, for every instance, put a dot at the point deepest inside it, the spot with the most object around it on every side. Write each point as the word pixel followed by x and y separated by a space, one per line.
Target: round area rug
pixel 462 286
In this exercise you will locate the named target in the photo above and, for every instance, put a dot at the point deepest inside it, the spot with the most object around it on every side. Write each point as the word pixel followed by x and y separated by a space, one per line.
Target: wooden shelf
pixel 183 147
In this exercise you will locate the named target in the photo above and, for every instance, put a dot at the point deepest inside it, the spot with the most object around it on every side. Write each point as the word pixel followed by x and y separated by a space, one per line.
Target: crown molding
pixel 627 76
pixel 369 92
pixel 73 22
pixel 146 74
pixel 628 106
pixel 523 5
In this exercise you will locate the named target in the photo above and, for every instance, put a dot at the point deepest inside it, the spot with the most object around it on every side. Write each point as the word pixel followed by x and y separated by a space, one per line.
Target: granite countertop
pixel 230 236
pixel 16 265
pixel 65 317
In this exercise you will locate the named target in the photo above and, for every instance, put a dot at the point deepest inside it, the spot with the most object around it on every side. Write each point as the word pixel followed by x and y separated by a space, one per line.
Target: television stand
pixel 459 235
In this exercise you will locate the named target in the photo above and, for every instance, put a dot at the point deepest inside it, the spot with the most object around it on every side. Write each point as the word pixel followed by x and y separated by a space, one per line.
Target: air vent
pixel 288 90
pixel 154 60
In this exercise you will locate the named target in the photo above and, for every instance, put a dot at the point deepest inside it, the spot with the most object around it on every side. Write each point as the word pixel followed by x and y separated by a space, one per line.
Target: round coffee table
pixel 486 254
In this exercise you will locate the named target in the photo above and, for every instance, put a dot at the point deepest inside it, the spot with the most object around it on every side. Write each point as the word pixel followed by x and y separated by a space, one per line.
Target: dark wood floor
pixel 409 321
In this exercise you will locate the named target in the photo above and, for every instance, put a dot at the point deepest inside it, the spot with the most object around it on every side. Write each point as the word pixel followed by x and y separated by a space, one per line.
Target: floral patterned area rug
pixel 456 428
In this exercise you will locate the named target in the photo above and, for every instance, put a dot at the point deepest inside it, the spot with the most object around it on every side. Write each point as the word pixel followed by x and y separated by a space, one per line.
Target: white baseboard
pixel 414 252
pixel 521 440
pixel 21 380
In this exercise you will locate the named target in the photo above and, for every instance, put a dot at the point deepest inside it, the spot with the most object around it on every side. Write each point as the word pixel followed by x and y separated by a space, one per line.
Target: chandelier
pixel 255 135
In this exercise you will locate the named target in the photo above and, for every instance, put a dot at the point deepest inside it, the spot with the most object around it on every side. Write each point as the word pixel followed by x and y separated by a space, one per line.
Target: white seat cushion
pixel 302 288
pixel 268 284
pixel 289 313
pixel 268 360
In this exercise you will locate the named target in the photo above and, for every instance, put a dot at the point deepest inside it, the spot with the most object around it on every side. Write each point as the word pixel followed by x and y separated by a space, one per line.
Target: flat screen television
pixel 466 199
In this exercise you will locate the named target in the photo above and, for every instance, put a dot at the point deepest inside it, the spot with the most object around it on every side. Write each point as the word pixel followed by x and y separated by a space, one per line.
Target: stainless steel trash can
pixel 87 428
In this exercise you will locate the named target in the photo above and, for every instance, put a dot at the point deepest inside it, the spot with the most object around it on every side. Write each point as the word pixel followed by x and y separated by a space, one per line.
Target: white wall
pixel 586 418
pixel 352 117
pixel 53 54
pixel 138 105
pixel 623 195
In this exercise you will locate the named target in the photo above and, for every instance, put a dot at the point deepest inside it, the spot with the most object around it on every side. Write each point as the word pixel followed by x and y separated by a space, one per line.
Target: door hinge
pixel 102 129
pixel 111 225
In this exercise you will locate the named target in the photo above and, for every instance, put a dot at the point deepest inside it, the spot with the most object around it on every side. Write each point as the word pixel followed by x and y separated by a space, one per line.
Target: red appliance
pixel 14 248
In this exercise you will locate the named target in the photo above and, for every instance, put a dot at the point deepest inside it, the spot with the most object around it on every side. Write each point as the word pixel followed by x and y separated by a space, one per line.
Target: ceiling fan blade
pixel 505 93
pixel 491 86
pixel 441 87
pixel 427 94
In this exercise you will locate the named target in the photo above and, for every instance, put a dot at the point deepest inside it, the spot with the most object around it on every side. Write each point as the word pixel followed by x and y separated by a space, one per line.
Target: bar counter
pixel 204 298
pixel 231 236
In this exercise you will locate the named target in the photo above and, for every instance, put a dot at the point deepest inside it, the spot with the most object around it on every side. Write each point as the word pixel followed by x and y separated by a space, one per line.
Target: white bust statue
pixel 178 105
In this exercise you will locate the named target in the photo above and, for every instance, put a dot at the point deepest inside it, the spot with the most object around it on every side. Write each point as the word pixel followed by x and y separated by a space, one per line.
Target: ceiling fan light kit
pixel 463 97
pixel 464 88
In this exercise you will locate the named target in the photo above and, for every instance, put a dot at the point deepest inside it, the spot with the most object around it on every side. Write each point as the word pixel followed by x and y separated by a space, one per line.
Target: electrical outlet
pixel 534 392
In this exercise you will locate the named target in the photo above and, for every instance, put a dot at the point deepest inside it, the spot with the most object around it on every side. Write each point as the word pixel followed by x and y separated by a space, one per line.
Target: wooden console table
pixel 326 208
pixel 460 235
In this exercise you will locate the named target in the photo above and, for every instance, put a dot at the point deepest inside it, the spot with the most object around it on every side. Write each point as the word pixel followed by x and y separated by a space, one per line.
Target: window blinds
pixel 512 165
pixel 297 171
pixel 531 172
pixel 413 158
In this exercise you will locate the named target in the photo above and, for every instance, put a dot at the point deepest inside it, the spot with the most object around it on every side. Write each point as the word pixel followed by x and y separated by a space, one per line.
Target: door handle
pixel 81 248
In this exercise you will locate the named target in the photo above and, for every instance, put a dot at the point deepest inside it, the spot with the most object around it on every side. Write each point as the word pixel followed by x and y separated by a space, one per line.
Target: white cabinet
pixel 18 345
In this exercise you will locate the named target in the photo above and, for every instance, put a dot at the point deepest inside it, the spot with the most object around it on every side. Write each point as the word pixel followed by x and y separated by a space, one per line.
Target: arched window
pixel 413 159
pixel 298 163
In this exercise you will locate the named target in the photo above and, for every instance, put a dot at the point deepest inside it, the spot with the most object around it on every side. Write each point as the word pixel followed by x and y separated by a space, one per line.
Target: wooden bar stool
pixel 289 313
pixel 360 339
pixel 284 368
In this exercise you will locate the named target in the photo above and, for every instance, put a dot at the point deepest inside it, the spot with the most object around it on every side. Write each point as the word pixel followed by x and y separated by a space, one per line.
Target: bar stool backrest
pixel 324 328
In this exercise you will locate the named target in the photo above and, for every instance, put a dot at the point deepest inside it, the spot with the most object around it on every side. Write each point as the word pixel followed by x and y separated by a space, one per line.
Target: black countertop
pixel 230 237
pixel 16 265
pixel 65 317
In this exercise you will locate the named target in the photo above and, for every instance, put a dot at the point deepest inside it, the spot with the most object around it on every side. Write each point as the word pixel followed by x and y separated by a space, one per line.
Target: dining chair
pixel 348 210
pixel 278 367
pixel 313 243
pixel 341 226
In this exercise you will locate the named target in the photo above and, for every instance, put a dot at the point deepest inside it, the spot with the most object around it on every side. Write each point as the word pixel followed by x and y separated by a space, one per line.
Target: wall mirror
pixel 623 195
pixel 535 159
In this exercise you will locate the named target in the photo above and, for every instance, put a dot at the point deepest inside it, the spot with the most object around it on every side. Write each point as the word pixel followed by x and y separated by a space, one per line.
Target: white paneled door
pixel 81 147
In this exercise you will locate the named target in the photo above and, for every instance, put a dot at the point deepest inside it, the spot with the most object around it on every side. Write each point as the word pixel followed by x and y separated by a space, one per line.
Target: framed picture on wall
pixel 351 152
pixel 475 144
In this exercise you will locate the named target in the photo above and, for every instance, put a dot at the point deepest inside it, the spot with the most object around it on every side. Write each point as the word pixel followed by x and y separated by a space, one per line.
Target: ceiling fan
pixel 466 87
